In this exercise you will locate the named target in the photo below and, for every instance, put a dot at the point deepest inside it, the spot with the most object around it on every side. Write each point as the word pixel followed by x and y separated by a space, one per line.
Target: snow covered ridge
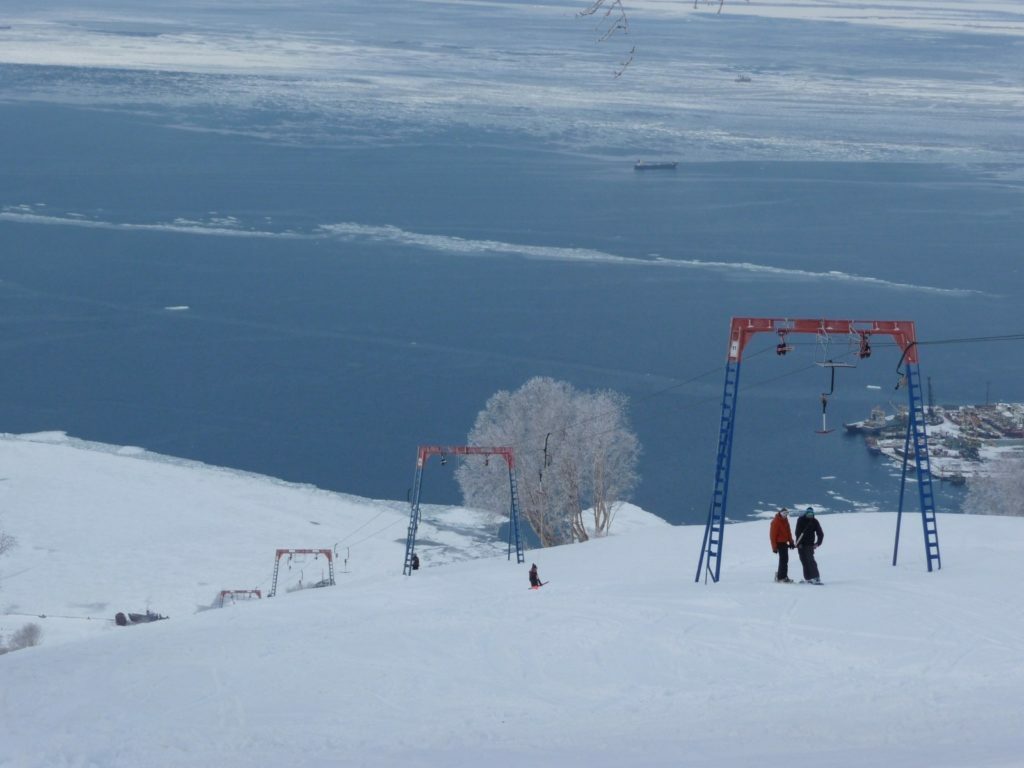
pixel 463 665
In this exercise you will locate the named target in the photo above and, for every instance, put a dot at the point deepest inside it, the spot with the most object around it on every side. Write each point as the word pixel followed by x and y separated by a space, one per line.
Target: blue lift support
pixel 424 453
pixel 917 437
pixel 715 527
pixel 903 333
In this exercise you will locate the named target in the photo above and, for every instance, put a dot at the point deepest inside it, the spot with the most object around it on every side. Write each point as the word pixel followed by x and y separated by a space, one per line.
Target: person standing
pixel 808 538
pixel 782 541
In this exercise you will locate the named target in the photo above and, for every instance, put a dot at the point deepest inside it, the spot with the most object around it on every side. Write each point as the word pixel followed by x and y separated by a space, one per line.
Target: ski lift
pixel 824 405
pixel 783 346
pixel 444 459
pixel 865 345
pixel 824 340
pixel 901 374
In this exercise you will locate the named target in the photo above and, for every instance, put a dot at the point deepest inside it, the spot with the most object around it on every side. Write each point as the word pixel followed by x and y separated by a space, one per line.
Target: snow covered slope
pixel 621 660
pixel 103 529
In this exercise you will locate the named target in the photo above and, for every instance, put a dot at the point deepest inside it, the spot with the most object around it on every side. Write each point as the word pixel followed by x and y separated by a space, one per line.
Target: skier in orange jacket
pixel 782 541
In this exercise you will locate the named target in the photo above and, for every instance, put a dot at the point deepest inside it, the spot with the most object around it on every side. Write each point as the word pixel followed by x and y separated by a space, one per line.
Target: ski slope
pixel 621 660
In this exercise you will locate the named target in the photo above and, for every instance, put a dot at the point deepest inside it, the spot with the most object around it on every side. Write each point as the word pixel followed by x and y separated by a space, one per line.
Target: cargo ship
pixel 655 165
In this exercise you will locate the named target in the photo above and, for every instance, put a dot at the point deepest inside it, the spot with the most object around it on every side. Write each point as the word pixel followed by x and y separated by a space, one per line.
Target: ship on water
pixel 879 421
pixel 655 165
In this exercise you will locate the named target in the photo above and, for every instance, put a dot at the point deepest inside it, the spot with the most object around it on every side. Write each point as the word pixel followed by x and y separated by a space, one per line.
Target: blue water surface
pixel 359 280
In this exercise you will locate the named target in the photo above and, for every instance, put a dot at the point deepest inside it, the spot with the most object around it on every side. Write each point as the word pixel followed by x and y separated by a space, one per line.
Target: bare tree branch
pixel 613 20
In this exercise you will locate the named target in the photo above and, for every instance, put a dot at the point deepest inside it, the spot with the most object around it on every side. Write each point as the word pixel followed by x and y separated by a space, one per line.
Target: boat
pixel 655 165
pixel 879 422
pixel 743 79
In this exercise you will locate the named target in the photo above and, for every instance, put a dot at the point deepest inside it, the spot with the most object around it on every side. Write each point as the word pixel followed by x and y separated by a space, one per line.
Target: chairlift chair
pixel 824 419
pixel 863 350
pixel 783 346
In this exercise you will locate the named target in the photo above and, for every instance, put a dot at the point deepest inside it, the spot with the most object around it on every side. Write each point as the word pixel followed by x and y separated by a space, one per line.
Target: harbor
pixel 964 442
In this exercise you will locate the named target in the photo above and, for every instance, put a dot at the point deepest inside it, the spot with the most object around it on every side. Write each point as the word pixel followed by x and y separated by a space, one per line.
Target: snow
pixel 621 660
pixel 442 244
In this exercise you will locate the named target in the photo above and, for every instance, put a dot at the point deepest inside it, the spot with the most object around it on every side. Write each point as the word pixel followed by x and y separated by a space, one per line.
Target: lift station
pixel 860 333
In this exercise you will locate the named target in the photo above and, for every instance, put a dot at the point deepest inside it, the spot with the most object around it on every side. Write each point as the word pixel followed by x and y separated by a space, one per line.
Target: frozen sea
pixel 304 239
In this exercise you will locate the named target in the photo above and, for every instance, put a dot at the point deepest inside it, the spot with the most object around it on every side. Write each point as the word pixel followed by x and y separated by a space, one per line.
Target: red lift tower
pixel 327 553
pixel 424 453
pixel 860 332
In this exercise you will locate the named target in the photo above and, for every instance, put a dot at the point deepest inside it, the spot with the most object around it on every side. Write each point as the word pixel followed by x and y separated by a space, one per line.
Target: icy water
pixel 312 298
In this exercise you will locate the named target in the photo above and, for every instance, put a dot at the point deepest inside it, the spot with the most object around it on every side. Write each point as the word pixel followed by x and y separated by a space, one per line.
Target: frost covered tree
pixel 1001 493
pixel 574 452
pixel 26 637
pixel 6 542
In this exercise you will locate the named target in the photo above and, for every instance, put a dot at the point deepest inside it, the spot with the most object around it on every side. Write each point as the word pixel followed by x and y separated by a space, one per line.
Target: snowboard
pixel 540 585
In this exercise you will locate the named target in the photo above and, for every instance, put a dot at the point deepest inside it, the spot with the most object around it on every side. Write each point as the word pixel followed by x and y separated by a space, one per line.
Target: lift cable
pixel 56 616
pixel 763 382
pixel 711 398
pixel 378 531
pixel 356 530
pixel 974 339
